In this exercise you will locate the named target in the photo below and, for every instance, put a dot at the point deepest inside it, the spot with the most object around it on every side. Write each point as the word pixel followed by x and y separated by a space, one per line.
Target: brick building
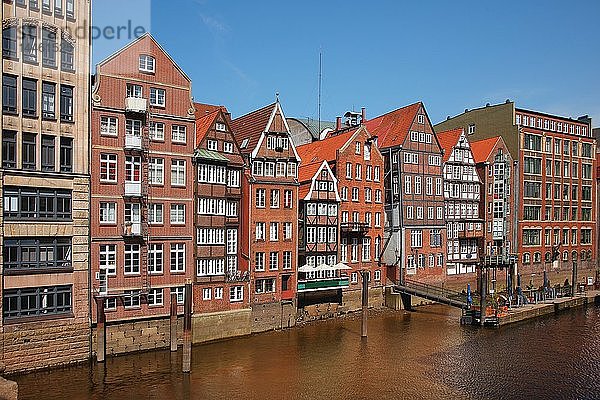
pixel 44 178
pixel 556 157
pixel 413 186
pixel 357 165
pixel 320 278
pixel 220 284
pixel 462 188
pixel 495 167
pixel 269 242
pixel 142 194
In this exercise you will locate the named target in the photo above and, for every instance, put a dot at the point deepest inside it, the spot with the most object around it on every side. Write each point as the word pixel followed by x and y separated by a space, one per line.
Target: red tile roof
pixel 204 109
pixel 251 126
pixel 203 125
pixel 393 127
pixel 482 149
pixel 449 139
pixel 323 150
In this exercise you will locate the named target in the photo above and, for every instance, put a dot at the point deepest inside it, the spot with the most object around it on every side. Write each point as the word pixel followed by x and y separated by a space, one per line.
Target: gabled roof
pixel 204 124
pixel 309 184
pixel 482 149
pixel 251 126
pixel 132 43
pixel 323 150
pixel 449 139
pixel 393 127
pixel 202 109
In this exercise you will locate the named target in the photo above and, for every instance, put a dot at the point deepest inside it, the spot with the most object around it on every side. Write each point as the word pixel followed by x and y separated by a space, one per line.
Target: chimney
pixel 338 123
pixel 363 115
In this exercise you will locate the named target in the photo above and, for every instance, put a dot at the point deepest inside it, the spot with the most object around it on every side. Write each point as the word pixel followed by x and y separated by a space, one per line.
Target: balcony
pixel 133 189
pixel 132 229
pixel 323 284
pixel 133 142
pixel 136 105
pixel 359 228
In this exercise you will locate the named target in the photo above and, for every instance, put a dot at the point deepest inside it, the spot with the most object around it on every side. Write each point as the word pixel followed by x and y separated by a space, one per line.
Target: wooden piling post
pixel 100 330
pixel 187 328
pixel 365 302
pixel 173 322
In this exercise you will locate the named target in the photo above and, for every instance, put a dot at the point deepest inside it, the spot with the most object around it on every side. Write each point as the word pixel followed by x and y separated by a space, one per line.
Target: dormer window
pixel 244 143
pixel 220 127
pixel 147 64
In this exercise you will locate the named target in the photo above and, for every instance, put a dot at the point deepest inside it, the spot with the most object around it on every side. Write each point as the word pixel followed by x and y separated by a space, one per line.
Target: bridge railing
pixel 437 291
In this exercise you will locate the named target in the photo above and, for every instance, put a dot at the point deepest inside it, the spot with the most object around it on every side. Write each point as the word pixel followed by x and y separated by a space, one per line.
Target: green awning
pixel 209 155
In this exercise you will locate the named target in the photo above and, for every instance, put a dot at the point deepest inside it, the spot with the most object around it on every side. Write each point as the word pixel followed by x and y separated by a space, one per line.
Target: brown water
pixel 423 355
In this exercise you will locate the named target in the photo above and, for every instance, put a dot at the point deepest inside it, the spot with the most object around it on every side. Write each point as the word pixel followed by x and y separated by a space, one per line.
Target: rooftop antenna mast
pixel 319 95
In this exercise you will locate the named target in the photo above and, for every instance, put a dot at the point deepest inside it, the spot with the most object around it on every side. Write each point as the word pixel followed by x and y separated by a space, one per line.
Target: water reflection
pixel 423 355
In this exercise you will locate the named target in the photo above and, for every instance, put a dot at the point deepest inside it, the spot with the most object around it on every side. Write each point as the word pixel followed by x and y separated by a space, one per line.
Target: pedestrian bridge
pixel 434 293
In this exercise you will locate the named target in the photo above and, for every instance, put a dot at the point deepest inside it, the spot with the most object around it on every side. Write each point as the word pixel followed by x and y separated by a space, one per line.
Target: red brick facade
pixel 142 191
pixel 270 242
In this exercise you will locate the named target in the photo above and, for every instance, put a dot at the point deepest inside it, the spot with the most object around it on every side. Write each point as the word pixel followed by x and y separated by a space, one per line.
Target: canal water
pixel 422 355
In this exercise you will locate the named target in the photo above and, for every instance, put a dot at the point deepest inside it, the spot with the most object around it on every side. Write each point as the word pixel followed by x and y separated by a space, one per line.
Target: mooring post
pixel 100 331
pixel 483 294
pixel 187 328
pixel 574 280
pixel 173 322
pixel 365 302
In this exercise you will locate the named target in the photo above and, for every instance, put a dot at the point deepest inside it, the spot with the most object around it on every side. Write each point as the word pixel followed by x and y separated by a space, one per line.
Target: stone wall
pixel 45 344
pixel 272 316
pixel 352 299
pixel 132 336
pixel 221 325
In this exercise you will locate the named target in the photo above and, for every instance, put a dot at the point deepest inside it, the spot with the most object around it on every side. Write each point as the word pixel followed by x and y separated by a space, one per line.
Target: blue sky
pixel 380 55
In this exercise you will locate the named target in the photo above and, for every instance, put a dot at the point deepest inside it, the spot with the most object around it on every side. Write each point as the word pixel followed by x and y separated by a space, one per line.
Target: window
pixel 206 294
pixel 108 167
pixel 66 154
pixel 156 131
pixel 264 286
pixel 273 231
pixel 211 174
pixel 109 126
pixel 408 184
pixel 416 238
pixel 29 97
pixel 155 258
pixel 108 212
pixel 155 214
pixel 177 172
pixel 70 8
pixel 228 147
pixel 28 151
pixel 210 267
pixel 269 169
pixel 155 297
pixel 67 51
pixel 274 201
pixel 157 97
pixel 177 214
pixel 49 47
pixel 236 293
pixel 9 94
pixel 287 231
pixel 533 165
pixel 366 249
pixel 29 43
pixel 355 194
pixel 48 159
pixel 58 9
pixel 132 259
pixel 156 171
pixel 471 129
pixel 288 199
pixel 178 134
pixel 287 260
pixel 147 63
pixel 108 258
pixel 9 42
pixel 9 149
pixel 134 90
pixel 37 254
pixel 260 198
pixel 177 257
pixel 179 291
pixel 66 103
pixel 37 301
pixel 131 299
pixel 531 237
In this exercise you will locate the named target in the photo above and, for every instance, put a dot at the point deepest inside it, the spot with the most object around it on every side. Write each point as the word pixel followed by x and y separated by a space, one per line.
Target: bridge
pixel 434 293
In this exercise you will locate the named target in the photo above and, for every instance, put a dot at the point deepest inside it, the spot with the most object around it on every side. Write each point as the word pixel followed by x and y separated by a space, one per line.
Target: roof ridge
pixel 255 111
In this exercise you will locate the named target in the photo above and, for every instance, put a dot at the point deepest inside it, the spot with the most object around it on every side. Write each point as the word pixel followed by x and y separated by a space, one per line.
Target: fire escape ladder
pixel 145 200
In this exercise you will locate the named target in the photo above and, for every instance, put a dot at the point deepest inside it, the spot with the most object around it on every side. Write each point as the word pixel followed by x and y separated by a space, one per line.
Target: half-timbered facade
pixel 358 167
pixel 142 193
pixel 462 188
pixel 414 198
pixel 220 284
pixel 270 241
pixel 319 274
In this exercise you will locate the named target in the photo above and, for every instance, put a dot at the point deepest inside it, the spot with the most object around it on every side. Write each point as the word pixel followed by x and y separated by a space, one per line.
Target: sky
pixel 382 55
